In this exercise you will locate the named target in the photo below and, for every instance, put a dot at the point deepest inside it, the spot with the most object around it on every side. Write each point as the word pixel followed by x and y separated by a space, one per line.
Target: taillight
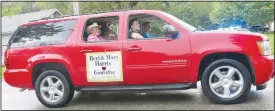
pixel 6 58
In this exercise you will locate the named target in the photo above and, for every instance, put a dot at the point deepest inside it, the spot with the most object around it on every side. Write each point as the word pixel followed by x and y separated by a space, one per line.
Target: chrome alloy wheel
pixel 51 89
pixel 226 82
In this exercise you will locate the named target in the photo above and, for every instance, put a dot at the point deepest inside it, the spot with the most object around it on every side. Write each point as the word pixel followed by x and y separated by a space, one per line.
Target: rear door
pixel 99 62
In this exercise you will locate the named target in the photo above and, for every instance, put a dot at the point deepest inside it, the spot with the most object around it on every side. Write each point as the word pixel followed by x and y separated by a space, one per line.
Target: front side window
pixel 150 27
pixel 51 33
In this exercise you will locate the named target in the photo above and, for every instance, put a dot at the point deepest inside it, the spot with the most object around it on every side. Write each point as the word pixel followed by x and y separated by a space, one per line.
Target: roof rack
pixel 47 18
pixel 93 12
pixel 97 12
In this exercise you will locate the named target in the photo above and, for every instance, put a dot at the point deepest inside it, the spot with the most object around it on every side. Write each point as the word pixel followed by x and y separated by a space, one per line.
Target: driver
pixel 147 28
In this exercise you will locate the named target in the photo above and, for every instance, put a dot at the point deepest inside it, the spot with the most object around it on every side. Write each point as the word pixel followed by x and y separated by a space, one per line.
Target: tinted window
pixel 43 34
pixel 108 29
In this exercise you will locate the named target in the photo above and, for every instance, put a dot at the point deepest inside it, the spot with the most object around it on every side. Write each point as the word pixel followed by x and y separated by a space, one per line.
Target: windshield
pixel 183 24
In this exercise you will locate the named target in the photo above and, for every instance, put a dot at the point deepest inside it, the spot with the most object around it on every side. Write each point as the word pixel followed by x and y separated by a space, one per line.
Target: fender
pixel 197 58
pixel 46 58
pixel 205 43
pixel 201 49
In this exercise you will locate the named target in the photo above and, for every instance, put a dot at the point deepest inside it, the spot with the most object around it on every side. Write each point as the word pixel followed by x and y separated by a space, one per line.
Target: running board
pixel 179 86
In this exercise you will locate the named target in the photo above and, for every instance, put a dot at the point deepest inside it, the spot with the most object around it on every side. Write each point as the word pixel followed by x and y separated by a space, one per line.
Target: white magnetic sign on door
pixel 104 66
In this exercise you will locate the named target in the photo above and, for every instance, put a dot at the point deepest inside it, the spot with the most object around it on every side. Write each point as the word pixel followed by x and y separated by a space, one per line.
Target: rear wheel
pixel 226 81
pixel 53 89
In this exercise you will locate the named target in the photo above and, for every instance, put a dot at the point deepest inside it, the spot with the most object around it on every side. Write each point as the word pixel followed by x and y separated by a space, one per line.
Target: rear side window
pixel 42 34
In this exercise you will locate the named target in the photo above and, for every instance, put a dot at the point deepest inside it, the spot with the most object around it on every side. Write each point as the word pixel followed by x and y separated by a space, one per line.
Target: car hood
pixel 223 33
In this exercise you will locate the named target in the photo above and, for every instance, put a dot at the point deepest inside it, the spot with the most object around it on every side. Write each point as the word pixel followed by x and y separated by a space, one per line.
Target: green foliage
pixel 198 14
pixel 2 71
pixel 64 7
pixel 29 7
pixel 190 12
pixel 89 7
pixel 253 12
pixel 9 9
pixel 225 10
pixel 152 5
pixel 260 12
pixel 271 39
pixel 15 8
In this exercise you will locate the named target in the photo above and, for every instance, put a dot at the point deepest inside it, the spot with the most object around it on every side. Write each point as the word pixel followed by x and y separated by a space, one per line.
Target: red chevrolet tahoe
pixel 53 57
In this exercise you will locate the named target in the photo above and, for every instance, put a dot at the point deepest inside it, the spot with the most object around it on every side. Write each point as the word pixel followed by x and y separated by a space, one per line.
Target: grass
pixel 271 39
pixel 2 70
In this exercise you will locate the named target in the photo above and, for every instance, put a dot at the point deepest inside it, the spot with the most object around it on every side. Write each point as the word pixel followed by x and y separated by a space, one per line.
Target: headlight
pixel 264 47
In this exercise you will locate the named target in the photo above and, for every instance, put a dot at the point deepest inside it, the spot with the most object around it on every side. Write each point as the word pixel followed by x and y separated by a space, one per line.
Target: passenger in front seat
pixel 135 29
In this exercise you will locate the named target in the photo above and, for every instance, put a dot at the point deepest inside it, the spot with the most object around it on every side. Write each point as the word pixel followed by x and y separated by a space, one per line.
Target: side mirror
pixel 170 31
pixel 175 35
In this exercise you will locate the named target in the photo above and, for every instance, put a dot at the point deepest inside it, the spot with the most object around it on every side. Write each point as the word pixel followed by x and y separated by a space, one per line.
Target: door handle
pixel 85 51
pixel 134 48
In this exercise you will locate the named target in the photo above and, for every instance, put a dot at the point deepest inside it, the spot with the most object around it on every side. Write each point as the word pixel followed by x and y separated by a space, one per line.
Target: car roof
pixel 75 17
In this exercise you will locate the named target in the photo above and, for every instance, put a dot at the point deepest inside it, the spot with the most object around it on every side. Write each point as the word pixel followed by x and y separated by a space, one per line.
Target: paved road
pixel 167 100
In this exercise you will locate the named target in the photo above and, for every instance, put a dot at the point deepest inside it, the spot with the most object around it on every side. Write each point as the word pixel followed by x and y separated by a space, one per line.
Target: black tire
pixel 71 95
pixel 67 89
pixel 226 62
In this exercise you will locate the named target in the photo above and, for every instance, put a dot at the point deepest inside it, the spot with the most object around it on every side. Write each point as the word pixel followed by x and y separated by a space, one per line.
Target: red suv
pixel 155 51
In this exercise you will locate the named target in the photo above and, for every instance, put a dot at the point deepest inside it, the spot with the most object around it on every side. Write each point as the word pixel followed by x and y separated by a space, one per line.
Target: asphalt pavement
pixel 192 99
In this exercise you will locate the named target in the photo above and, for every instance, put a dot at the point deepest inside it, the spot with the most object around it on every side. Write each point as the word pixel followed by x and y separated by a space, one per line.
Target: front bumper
pixel 263 68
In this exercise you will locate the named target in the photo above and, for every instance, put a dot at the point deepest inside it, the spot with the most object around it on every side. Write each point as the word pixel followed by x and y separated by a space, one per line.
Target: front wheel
pixel 226 81
pixel 53 89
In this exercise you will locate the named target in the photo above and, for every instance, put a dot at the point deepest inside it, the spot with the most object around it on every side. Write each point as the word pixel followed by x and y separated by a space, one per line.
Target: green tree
pixel 224 10
pixel 64 7
pixel 260 13
pixel 12 8
pixel 15 8
pixel 29 7
pixel 254 12
pixel 150 5
pixel 198 14
pixel 194 13
pixel 90 7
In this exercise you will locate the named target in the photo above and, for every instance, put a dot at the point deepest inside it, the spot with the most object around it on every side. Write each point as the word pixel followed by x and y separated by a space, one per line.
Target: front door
pixel 158 59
